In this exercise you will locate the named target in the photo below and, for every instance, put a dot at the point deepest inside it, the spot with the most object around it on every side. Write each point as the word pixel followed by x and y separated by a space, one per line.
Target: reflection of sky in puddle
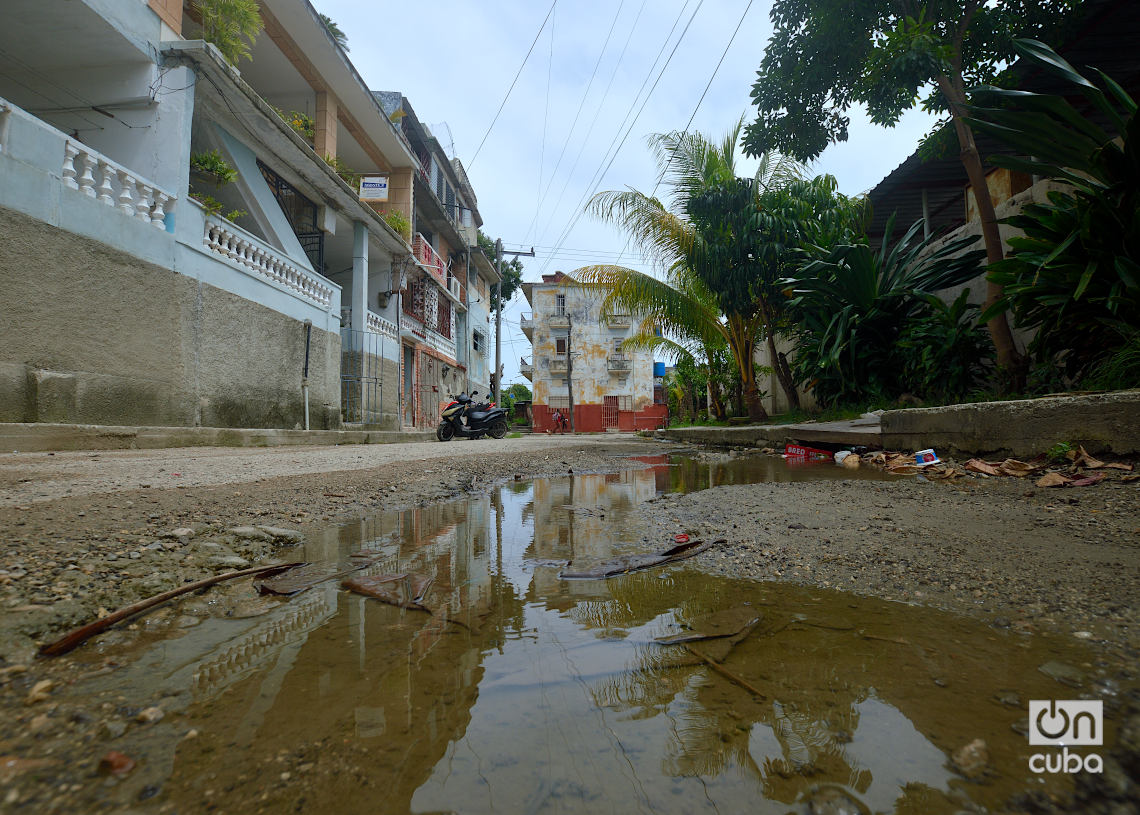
pixel 551 696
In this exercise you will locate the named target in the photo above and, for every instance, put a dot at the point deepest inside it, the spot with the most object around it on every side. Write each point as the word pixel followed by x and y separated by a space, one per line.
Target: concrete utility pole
pixel 499 252
pixel 498 321
pixel 570 371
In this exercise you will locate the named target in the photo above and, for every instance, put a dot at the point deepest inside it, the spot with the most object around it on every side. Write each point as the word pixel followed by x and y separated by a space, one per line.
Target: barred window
pixel 477 342
pixel 558 402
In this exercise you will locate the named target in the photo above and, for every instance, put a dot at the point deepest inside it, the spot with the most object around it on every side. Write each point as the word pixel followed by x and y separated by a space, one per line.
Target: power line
pixel 566 232
pixel 471 163
pixel 708 85
pixel 594 121
pixel 632 105
pixel 577 114
pixel 545 117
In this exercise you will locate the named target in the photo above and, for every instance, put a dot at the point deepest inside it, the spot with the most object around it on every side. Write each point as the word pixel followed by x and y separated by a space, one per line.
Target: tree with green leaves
pixel 335 30
pixel 1074 273
pixel 511 271
pixel 827 55
pixel 735 236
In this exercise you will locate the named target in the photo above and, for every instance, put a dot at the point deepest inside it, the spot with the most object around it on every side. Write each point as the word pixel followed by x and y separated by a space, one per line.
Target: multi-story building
pixel 445 306
pixel 189 242
pixel 574 346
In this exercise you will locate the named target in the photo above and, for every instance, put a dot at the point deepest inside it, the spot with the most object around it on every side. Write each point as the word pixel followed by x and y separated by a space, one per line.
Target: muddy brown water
pixel 525 693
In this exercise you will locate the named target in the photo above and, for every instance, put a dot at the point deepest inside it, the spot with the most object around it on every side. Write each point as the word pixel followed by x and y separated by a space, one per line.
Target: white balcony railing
pixel 526 323
pixel 526 369
pixel 558 363
pixel 379 325
pixel 250 253
pixel 618 320
pixel 96 176
pixel 558 320
pixel 456 288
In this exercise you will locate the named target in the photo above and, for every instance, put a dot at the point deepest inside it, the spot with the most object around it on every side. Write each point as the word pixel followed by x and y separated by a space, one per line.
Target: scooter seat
pixel 477 415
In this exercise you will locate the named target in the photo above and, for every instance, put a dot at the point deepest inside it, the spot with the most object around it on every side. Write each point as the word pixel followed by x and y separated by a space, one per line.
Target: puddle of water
pixel 527 693
pixel 679 473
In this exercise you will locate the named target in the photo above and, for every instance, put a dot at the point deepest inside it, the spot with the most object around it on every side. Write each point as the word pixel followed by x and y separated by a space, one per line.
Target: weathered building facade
pixel 574 346
pixel 187 243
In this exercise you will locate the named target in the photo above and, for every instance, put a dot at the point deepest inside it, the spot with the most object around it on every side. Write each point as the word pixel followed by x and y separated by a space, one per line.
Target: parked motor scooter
pixel 467 419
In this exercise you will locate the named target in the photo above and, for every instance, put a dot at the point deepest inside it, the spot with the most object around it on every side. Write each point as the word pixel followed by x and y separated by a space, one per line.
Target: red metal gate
pixel 609 411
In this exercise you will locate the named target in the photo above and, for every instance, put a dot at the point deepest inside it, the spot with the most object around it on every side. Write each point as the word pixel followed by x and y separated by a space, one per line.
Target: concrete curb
pixel 33 438
pixel 1102 422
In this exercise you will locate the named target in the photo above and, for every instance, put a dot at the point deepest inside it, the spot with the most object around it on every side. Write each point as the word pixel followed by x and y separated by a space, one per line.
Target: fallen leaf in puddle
pixel 1052 480
pixel 253 607
pixel 1117 465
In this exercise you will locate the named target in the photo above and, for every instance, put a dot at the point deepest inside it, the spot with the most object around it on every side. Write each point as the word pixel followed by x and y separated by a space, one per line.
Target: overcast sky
pixel 549 149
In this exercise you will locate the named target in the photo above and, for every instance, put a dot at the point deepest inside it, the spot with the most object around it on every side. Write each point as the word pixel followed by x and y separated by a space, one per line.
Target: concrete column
pixel 324 131
pixel 359 297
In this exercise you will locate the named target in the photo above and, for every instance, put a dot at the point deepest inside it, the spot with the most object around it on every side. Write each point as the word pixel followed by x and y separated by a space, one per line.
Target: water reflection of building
pixel 577 519
pixel 397 683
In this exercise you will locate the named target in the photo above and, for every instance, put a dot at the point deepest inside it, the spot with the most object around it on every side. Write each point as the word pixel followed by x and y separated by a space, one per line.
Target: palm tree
pixel 693 238
pixel 337 34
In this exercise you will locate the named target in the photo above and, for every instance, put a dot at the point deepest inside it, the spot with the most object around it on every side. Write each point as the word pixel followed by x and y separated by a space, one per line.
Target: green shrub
pixel 399 223
pixel 230 25
pixel 213 166
pixel 850 310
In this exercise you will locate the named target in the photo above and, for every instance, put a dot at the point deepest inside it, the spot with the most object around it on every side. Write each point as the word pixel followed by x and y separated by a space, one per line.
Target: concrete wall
pixel 94 335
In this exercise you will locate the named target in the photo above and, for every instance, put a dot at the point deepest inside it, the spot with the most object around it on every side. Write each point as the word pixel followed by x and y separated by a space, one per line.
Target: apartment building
pixel 574 345
pixel 445 304
pixel 194 243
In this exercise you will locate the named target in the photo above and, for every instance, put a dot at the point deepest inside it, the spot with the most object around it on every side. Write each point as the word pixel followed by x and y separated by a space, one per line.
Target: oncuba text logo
pixel 1065 723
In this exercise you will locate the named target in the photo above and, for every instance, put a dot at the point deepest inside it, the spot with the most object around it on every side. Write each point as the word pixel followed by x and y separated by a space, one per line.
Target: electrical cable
pixel 545 115
pixel 471 163
pixel 632 105
pixel 708 85
pixel 574 124
pixel 580 211
pixel 594 121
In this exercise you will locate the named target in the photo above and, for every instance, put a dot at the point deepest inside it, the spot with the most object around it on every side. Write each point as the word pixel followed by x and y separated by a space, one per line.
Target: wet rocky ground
pixel 1001 549
pixel 1017 557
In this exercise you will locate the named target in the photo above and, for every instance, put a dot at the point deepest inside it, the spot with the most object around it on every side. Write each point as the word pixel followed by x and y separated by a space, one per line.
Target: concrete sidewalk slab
pixel 1102 422
pixel 857 432
pixel 43 437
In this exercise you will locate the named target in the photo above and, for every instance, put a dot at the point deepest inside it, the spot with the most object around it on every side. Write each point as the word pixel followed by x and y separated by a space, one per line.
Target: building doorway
pixel 609 411
pixel 409 385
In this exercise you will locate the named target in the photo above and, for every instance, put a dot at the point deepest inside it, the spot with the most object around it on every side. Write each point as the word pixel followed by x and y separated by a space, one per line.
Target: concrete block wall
pixel 96 336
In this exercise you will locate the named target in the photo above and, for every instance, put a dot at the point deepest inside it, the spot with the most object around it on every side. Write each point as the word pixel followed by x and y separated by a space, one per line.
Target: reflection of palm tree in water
pixel 713 719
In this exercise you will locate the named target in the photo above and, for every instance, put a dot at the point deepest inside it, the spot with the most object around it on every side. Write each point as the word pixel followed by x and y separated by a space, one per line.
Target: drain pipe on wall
pixel 305 375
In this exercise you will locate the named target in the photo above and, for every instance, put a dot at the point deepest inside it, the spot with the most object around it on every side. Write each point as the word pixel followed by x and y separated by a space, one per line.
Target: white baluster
pixel 70 151
pixel 106 191
pixel 126 196
pixel 87 178
pixel 158 214
pixel 145 202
